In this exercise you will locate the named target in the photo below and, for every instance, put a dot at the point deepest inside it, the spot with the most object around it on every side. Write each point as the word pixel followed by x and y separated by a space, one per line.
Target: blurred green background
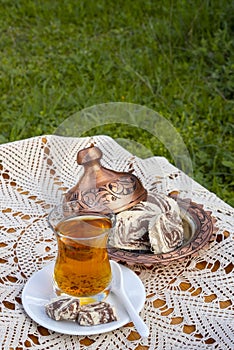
pixel 175 57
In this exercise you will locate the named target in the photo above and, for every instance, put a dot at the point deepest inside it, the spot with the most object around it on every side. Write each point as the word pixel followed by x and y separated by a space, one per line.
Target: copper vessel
pixel 98 185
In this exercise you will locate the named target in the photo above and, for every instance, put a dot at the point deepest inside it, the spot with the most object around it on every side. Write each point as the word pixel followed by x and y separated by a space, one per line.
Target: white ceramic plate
pixel 39 290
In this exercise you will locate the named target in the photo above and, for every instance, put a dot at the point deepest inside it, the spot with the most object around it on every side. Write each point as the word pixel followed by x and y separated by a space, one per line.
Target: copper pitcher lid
pixel 117 190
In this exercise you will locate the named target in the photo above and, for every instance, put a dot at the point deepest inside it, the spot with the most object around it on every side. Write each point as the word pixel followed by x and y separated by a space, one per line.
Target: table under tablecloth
pixel 189 304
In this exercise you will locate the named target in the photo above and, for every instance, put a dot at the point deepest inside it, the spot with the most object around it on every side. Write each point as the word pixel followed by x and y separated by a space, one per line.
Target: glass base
pixel 85 299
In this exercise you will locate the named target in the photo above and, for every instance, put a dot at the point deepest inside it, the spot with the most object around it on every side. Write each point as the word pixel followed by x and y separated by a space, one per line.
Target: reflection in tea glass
pixel 82 267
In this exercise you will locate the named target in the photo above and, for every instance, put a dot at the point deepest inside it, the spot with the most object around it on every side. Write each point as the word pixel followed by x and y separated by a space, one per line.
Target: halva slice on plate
pixel 154 224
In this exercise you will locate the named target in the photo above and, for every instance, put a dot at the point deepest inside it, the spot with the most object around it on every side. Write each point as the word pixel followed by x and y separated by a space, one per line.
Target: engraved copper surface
pixel 117 190
pixel 202 226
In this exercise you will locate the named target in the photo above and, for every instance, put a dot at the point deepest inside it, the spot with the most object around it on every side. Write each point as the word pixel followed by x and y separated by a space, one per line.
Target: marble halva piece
pixel 154 224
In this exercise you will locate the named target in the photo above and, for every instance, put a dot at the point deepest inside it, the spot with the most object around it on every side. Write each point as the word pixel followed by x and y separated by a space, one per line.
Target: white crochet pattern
pixel 189 304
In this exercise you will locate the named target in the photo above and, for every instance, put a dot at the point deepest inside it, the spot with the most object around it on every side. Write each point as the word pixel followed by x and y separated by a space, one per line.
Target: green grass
pixel 175 57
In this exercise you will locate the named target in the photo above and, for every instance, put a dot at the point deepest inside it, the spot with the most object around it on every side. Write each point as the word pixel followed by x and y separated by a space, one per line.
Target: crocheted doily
pixel 189 303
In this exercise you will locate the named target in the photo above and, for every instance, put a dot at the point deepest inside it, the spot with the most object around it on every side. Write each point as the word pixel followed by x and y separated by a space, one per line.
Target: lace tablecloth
pixel 189 304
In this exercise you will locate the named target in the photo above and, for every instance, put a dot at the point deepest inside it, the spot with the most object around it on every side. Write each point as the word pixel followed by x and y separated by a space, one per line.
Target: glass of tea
pixel 82 267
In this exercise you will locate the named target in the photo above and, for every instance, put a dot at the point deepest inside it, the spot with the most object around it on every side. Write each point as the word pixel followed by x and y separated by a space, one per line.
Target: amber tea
pixel 82 266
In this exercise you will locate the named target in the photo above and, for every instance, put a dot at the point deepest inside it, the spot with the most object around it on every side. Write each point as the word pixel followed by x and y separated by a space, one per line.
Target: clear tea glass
pixel 82 267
